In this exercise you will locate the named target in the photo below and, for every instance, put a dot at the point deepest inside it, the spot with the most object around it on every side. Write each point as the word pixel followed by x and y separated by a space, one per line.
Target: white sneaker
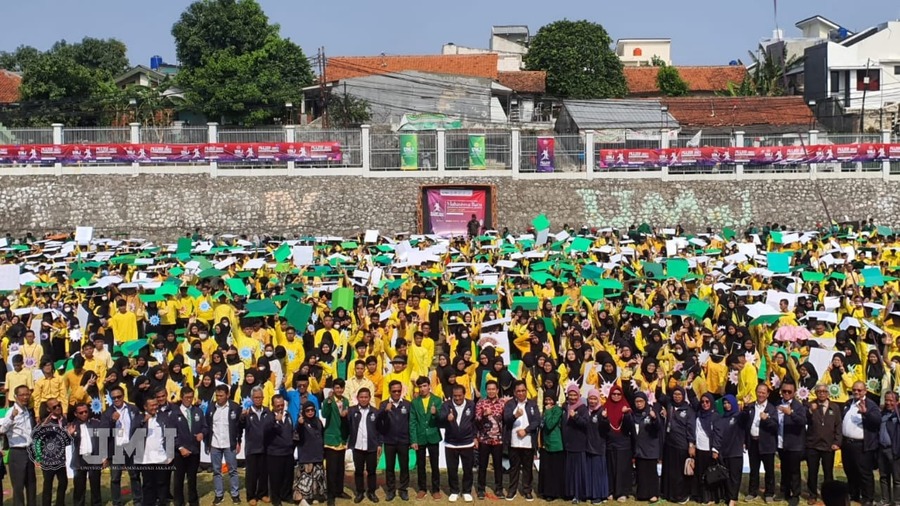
pixel 453 497
pixel 467 497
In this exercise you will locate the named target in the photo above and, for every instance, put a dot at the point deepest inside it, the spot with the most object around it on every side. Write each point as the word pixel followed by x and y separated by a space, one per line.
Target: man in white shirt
pixel 223 438
pixel 86 443
pixel 861 427
pixel 365 441
pixel 122 419
pixel 762 442
pixel 17 426
pixel 155 462
pixel 522 419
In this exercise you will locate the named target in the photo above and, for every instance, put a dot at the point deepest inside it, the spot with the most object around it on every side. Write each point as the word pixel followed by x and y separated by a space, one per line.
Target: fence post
pixel 441 151
pixel 886 163
pixel 290 135
pixel 212 132
pixel 664 144
pixel 813 141
pixel 57 133
pixel 589 161
pixel 515 147
pixel 739 143
pixel 213 169
pixel 365 148
pixel 135 133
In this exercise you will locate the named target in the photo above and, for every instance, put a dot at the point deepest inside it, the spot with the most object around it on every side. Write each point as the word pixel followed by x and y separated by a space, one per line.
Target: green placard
pixel 409 151
pixel 342 298
pixel 779 263
pixel 184 245
pixel 476 152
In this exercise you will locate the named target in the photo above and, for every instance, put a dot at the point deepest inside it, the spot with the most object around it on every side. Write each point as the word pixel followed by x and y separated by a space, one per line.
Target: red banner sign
pixel 70 154
pixel 450 209
pixel 766 155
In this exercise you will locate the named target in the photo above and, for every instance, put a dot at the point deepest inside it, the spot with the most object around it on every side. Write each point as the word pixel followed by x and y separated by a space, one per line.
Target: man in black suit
pixel 365 441
pixel 154 454
pixel 254 420
pixel 279 434
pixel 86 444
pixel 823 438
pixel 791 442
pixel 761 420
pixel 393 424
pixel 122 419
pixel 889 456
pixel 165 412
pixel 457 417
pixel 521 420
pixel 861 427
pixel 190 425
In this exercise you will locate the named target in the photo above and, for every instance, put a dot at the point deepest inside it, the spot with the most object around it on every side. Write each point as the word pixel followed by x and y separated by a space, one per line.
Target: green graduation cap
pixel 542 266
pixel 131 348
pixel 653 270
pixel 211 273
pixel 194 292
pixel 609 284
pixel 167 289
pixel 77 275
pixel 581 244
pixel 237 287
pixel 591 272
pixel 349 245
pixel 152 297
pixel 558 301
pixel 728 233
pixel 592 293
pixel 697 308
pixel 176 271
pixel 526 303
pixel 812 276
pixel 297 314
pixel 454 306
pixel 638 310
pixel 282 253
pixel 766 319
pixel 542 277
pixel 677 268
pixel 264 307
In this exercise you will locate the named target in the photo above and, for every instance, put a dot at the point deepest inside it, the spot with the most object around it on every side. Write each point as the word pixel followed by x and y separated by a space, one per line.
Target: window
pixel 868 80
pixel 637 52
pixel 835 81
pixel 897 70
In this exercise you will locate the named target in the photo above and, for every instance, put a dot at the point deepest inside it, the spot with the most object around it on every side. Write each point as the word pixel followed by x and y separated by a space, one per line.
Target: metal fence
pixel 712 140
pixel 351 146
pixel 101 135
pixel 568 153
pixel 26 135
pixel 255 135
pixel 497 149
pixel 385 151
pixel 174 135
pixel 873 166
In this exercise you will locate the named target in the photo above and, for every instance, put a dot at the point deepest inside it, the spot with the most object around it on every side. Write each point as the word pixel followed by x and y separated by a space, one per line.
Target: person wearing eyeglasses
pixel 52 415
pixel 86 449
pixel 393 424
pixel 122 419
pixel 791 442
pixel 365 442
pixel 309 477
pixel 761 420
pixel 861 428
pixel 189 424
pixel 889 455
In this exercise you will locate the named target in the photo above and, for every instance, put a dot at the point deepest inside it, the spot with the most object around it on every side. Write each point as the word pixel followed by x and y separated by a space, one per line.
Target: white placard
pixel 302 255
pixel 671 247
pixel 83 235
pixel 371 236
pixel 9 277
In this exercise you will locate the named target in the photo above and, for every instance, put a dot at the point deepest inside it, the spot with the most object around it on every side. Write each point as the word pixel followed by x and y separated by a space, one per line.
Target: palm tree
pixel 766 75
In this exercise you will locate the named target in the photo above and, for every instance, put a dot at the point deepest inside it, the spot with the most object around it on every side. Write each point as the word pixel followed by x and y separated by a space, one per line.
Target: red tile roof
pixel 642 80
pixel 9 86
pixel 711 112
pixel 525 81
pixel 471 65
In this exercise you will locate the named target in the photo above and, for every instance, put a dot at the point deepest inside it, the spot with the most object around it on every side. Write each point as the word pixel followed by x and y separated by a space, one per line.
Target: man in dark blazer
pixel 365 442
pixel 761 420
pixel 165 412
pixel 889 455
pixel 279 433
pixel 393 424
pixel 122 419
pixel 457 417
pixel 223 435
pixel 190 424
pixel 861 427
pixel 823 438
pixel 253 421
pixel 521 419
pixel 86 444
pixel 791 442
pixel 154 455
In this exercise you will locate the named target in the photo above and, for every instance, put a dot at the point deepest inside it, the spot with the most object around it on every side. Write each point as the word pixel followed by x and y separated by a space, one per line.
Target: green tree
pixel 670 83
pixel 106 56
pixel 17 60
pixel 347 111
pixel 578 60
pixel 236 68
pixel 766 75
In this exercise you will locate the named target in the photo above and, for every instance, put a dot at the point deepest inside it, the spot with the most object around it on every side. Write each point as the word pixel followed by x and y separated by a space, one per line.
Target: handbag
pixel 689 467
pixel 715 474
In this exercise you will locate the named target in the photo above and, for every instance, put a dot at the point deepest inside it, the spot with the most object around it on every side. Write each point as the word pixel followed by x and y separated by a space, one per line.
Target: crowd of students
pixel 620 364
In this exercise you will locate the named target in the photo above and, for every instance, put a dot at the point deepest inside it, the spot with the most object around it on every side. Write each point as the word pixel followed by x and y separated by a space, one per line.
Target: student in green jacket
pixel 424 435
pixel 552 473
pixel 334 410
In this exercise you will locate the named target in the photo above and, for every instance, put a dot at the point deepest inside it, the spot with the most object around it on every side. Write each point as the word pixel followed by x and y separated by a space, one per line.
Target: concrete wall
pixel 163 207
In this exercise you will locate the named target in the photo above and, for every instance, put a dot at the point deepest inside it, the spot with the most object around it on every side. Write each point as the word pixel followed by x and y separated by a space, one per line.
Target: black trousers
pixel 334 472
pixel 257 480
pixel 364 463
pixel 790 473
pixel 23 478
pixel 186 469
pixel 521 460
pixel 768 462
pixel 81 480
pixel 392 453
pixel 455 457
pixel 281 478
pixel 62 483
pixel 153 481
pixel 495 453
pixel 735 466
pixel 813 459
pixel 859 466
pixel 889 476
pixel 115 482
pixel 434 461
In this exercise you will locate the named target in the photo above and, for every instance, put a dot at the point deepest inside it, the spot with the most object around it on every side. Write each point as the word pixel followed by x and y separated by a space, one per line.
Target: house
pixel 701 81
pixel 10 82
pixel 468 65
pixel 139 76
pixel 637 52
pixel 509 43
pixel 785 118
pixel 627 123
pixel 860 71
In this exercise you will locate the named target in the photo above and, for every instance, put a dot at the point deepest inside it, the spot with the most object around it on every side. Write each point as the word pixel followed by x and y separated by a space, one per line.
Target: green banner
pixel 409 151
pixel 476 151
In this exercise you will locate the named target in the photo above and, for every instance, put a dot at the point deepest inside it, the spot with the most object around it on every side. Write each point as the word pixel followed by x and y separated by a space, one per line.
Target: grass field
pixel 205 487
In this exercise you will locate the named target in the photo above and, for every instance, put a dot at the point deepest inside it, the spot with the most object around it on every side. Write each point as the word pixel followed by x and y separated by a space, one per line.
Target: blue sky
pixel 703 32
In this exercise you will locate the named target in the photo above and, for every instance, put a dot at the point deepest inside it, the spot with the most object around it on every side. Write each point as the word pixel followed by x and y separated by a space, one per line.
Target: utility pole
pixel 862 116
pixel 323 86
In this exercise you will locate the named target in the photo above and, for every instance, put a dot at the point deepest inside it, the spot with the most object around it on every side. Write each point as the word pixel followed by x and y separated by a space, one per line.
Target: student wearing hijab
pixel 707 441
pixel 440 377
pixel 680 440
pixel 574 436
pixel 730 429
pixel 647 431
pixel 552 473
pixel 309 475
pixel 618 451
pixel 595 451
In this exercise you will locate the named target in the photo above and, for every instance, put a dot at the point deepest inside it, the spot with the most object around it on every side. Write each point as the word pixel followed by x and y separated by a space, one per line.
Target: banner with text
pixel 409 151
pixel 70 154
pixel 450 209
pixel 546 147
pixel 476 151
